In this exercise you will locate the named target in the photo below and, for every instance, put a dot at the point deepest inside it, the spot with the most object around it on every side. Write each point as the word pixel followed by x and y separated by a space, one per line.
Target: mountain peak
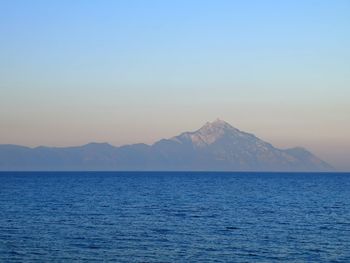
pixel 219 121
pixel 208 133
pixel 218 124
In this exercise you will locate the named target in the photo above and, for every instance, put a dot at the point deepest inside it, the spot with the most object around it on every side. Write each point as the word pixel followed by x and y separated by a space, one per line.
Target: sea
pixel 174 217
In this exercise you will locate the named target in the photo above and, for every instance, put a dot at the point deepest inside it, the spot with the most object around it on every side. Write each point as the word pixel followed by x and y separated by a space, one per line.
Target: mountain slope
pixel 217 146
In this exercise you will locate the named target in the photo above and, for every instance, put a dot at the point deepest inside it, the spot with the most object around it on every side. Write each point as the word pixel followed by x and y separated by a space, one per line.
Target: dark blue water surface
pixel 174 217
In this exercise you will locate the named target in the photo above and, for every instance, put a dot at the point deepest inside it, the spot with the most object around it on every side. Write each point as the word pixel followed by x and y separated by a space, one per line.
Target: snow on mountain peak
pixel 208 133
pixel 217 124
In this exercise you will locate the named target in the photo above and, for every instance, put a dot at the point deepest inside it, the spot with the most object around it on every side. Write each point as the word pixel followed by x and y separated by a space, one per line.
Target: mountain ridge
pixel 216 146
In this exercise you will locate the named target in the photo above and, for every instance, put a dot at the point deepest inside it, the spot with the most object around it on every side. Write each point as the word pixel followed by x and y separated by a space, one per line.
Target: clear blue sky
pixel 128 71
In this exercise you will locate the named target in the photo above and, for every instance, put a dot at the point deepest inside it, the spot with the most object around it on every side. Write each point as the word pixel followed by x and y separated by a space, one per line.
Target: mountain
pixel 217 146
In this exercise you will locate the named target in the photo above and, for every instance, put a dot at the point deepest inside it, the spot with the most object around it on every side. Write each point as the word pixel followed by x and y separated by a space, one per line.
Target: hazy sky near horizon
pixel 72 72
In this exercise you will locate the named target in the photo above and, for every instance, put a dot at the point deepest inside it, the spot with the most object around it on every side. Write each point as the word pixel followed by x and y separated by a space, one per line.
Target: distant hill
pixel 217 146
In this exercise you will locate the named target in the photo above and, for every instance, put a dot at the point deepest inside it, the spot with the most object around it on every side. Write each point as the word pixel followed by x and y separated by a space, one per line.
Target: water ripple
pixel 174 217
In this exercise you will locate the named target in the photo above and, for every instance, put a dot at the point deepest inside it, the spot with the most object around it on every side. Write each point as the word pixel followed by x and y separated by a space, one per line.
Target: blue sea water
pixel 174 217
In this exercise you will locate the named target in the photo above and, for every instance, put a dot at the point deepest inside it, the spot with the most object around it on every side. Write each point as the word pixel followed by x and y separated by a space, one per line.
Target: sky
pixel 73 72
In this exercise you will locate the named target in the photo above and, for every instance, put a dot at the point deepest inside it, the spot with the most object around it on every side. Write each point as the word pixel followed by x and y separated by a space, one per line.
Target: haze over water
pixel 175 217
